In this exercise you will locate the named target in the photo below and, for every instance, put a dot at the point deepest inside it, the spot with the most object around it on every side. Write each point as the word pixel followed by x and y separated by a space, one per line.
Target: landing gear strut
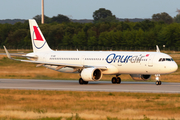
pixel 81 81
pixel 158 82
pixel 116 80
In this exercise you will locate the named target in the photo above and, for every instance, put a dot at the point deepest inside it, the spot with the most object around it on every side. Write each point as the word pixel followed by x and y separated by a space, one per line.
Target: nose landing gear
pixel 158 82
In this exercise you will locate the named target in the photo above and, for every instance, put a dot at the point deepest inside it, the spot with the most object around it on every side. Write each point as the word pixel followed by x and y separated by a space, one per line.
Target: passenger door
pixel 150 60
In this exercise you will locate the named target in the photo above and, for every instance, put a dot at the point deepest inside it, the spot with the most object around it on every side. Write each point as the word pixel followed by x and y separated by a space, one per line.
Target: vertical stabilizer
pixel 38 41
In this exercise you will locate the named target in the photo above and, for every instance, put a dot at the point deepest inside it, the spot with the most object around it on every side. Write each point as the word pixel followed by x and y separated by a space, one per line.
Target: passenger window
pixel 172 59
pixel 163 59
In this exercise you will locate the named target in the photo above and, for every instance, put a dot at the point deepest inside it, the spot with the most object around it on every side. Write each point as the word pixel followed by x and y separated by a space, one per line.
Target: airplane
pixel 92 65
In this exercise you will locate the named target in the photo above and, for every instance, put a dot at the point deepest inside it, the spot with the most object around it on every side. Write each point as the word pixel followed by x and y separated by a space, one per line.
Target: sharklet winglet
pixel 7 53
pixel 157 48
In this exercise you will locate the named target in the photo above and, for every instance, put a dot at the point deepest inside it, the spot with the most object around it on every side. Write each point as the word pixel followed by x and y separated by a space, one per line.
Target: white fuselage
pixel 116 62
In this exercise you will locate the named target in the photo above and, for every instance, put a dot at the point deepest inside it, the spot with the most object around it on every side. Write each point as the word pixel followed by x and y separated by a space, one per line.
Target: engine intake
pixel 139 77
pixel 91 74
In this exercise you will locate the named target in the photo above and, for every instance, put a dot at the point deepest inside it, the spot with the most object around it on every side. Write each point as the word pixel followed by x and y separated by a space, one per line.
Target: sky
pixel 83 9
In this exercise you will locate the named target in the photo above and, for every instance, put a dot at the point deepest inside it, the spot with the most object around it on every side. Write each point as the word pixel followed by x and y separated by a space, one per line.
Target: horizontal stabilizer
pixel 24 56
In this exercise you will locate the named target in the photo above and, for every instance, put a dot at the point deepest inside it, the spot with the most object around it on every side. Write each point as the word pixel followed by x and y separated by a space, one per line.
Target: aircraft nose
pixel 173 67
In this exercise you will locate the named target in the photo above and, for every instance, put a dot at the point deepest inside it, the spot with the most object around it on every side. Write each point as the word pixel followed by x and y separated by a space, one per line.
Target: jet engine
pixel 139 77
pixel 91 74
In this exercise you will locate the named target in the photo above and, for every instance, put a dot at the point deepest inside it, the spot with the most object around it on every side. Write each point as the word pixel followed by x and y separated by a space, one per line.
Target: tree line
pixel 98 35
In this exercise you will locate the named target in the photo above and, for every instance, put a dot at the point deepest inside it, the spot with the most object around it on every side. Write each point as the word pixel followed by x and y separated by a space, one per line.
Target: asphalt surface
pixel 73 85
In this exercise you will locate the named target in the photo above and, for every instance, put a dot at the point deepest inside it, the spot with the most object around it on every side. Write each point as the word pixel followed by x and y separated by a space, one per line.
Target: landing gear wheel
pixel 158 82
pixel 85 82
pixel 118 80
pixel 81 81
pixel 114 80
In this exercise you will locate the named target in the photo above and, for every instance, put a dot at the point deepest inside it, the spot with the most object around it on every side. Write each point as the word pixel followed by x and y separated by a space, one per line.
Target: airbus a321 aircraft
pixel 92 65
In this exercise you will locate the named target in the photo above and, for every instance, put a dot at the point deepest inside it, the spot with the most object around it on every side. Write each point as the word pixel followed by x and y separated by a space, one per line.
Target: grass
pixel 39 104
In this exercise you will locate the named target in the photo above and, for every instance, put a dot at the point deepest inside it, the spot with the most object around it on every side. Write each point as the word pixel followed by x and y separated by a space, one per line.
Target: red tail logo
pixel 147 55
pixel 38 35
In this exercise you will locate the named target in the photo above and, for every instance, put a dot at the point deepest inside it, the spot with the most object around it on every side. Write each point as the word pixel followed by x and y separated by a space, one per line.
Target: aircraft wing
pixel 53 63
pixel 63 64
pixel 41 63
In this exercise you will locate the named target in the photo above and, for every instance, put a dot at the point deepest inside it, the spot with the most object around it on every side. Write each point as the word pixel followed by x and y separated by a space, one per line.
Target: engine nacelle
pixel 140 77
pixel 91 74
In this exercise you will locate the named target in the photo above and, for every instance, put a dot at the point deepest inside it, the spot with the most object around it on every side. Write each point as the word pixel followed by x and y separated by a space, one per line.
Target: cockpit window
pixel 165 59
pixel 168 59
pixel 160 59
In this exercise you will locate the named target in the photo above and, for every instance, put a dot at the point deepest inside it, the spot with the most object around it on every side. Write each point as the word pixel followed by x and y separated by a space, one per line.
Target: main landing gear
pixel 116 80
pixel 81 81
pixel 158 82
